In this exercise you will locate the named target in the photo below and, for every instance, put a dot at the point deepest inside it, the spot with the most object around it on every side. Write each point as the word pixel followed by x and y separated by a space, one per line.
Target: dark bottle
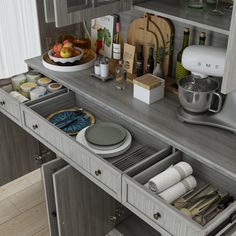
pixel 139 62
pixel 180 70
pixel 202 38
pixel 150 61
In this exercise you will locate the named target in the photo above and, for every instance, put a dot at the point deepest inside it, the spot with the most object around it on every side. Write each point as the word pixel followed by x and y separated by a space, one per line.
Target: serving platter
pixel 86 62
pixel 106 153
pixel 69 121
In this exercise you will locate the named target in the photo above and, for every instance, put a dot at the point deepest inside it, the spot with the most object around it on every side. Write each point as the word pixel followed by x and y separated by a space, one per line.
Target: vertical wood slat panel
pixel 229 79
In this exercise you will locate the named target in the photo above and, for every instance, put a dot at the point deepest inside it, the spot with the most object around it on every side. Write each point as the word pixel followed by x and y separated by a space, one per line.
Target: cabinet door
pixel 69 12
pixel 17 151
pixel 229 80
pixel 49 11
pixel 82 207
pixel 47 171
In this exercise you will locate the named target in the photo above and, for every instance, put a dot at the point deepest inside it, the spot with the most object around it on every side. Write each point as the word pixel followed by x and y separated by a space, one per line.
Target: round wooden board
pixel 86 62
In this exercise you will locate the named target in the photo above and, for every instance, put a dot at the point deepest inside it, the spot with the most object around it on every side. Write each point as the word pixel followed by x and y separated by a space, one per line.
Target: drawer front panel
pixel 77 153
pixel 108 176
pixel 56 138
pixel 155 211
pixel 43 129
pixel 10 107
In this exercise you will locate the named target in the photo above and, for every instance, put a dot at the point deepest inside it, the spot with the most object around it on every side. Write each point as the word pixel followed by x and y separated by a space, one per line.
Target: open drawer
pixel 11 106
pixel 104 172
pixel 162 215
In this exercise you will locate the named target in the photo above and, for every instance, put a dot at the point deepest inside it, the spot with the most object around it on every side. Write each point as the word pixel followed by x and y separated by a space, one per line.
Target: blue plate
pixel 71 121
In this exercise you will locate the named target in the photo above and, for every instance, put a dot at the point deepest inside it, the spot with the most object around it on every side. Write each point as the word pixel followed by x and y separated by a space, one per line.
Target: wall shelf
pixel 179 11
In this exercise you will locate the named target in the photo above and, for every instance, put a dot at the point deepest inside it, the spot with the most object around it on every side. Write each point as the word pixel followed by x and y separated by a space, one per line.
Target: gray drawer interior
pixel 149 147
pixel 201 172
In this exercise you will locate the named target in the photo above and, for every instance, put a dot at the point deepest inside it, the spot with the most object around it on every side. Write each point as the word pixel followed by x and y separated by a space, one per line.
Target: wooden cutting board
pixel 163 30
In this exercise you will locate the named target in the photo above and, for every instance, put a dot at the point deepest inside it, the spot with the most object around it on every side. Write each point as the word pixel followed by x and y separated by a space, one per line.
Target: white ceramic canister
pixel 18 96
pixel 17 81
pixel 33 76
pixel 38 92
pixel 104 69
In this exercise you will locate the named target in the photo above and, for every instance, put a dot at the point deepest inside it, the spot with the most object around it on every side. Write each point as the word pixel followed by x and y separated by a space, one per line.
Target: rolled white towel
pixel 170 176
pixel 179 189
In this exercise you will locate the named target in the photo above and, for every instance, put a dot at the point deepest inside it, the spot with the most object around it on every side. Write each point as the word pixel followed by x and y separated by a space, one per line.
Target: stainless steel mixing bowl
pixel 196 95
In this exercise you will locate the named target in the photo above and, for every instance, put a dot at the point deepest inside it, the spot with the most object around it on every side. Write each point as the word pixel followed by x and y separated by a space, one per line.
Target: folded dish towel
pixel 179 189
pixel 170 176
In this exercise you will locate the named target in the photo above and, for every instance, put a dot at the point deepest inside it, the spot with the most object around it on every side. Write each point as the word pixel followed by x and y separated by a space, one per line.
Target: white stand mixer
pixel 205 61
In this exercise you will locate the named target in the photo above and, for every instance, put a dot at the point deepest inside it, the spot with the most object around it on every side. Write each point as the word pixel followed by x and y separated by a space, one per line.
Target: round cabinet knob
pixel 35 127
pixel 2 103
pixel 54 214
pixel 157 216
pixel 98 172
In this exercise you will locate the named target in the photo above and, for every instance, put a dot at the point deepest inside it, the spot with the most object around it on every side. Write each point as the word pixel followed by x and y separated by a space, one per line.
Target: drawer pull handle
pixel 2 103
pixel 157 216
pixel 35 127
pixel 98 172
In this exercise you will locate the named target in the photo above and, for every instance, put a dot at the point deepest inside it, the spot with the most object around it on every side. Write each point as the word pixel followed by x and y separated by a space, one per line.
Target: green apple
pixel 66 52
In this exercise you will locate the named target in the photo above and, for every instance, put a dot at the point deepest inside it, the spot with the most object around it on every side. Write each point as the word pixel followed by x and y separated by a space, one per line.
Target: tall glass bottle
pixel 150 61
pixel 180 70
pixel 117 41
pixel 202 38
pixel 139 61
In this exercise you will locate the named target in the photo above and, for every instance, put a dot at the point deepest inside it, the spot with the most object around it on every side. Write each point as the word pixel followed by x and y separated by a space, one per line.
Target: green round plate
pixel 105 134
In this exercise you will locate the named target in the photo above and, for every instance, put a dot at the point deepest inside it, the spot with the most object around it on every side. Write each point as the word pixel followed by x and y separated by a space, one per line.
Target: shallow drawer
pixel 159 213
pixel 104 172
pixel 10 107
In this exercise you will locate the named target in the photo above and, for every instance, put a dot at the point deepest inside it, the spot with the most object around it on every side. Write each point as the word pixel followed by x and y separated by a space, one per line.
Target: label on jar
pixel 116 51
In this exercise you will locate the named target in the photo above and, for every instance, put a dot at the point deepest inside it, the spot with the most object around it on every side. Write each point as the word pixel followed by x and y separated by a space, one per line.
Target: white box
pixel 149 88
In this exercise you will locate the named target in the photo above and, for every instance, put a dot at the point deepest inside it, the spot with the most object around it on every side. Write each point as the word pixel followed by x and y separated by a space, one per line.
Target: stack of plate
pixel 106 139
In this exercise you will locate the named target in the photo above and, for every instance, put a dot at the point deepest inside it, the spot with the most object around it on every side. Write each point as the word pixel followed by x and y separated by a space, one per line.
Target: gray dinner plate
pixel 105 134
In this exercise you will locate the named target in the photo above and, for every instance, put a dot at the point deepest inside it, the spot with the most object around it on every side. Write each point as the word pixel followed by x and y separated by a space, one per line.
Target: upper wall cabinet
pixel 69 12
pixel 229 79
pixel 49 11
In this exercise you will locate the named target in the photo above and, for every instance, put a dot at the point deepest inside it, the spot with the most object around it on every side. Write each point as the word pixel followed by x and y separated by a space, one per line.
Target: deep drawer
pixel 104 172
pixel 159 213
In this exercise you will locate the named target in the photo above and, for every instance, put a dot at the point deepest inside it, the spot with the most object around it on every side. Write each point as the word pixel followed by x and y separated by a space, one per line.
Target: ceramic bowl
pixel 69 60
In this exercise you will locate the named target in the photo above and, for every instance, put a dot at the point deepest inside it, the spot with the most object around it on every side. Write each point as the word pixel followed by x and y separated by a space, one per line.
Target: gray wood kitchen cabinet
pixel 82 207
pixel 69 12
pixel 49 11
pixel 20 153
pixel 48 169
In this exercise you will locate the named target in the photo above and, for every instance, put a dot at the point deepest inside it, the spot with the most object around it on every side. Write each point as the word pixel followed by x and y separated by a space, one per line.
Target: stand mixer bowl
pixel 196 94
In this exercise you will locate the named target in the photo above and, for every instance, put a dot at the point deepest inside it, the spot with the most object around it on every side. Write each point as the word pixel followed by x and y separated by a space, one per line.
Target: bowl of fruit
pixel 65 53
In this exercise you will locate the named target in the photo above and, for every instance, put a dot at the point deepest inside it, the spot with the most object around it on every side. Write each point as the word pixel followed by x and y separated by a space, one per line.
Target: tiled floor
pixel 22 207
